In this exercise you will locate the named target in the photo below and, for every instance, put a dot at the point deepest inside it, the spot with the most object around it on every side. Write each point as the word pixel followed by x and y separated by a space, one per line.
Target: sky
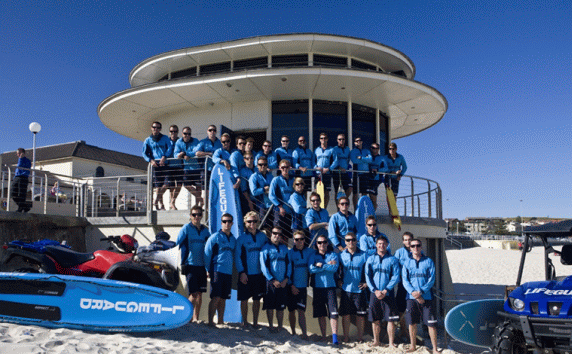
pixel 505 67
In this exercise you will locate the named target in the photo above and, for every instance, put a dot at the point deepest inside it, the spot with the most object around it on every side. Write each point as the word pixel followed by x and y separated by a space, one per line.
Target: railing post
pixel 439 203
pixel 46 195
pixel 149 194
pixel 418 206
pixel 405 207
pixel 429 198
pixel 412 197
pixel 9 194
pixel 118 199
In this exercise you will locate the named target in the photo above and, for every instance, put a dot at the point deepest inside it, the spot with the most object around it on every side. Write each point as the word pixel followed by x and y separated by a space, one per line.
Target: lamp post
pixel 35 129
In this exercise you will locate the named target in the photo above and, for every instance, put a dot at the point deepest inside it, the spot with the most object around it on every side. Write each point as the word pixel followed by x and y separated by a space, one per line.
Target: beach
pixel 473 270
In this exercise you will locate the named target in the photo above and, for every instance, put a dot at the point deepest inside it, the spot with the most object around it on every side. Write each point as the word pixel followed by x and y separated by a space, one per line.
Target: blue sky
pixel 504 67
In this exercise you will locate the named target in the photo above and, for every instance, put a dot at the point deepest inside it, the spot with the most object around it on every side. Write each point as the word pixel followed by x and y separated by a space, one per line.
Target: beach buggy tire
pixel 135 273
pixel 21 265
pixel 508 340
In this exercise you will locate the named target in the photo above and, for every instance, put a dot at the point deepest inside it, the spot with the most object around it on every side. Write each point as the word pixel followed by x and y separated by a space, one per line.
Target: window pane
pixel 329 117
pixel 289 118
pixel 383 129
pixel 363 124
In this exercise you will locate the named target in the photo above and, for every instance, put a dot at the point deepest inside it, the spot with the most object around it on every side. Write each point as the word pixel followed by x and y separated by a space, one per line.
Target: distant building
pixel 480 225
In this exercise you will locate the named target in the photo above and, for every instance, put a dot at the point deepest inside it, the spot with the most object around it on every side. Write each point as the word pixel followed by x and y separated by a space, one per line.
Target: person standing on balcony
pixel 304 160
pixel 156 150
pixel 191 240
pixel 377 166
pixel 185 149
pixel 360 179
pixel 341 223
pixel 284 153
pixel 281 189
pixel 20 183
pixel 271 158
pixel 395 164
pixel 317 218
pixel 222 156
pixel 250 147
pixel 325 158
pixel 341 166
pixel 298 203
pixel 175 168
pixel 246 202
pixel 259 184
pixel 236 159
pixel 206 148
pixel 367 241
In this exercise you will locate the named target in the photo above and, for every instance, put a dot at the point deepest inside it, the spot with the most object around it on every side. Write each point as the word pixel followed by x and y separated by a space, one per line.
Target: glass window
pixel 361 65
pixel 329 117
pixel 289 118
pixel 328 60
pixel 383 129
pixel 184 73
pixel 255 63
pixel 289 60
pixel 215 68
pixel 363 124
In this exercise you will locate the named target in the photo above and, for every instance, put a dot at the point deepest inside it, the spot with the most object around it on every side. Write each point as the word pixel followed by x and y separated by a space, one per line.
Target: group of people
pixel 374 284
pixel 180 162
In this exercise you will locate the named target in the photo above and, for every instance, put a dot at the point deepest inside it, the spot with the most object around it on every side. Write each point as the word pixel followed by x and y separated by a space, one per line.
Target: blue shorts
pixel 384 309
pixel 220 285
pixel 415 311
pixel 197 279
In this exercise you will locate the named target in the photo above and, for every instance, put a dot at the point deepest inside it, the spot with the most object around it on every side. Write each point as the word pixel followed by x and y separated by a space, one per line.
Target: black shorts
pixel 415 311
pixel 197 279
pixel 325 303
pixel 374 186
pixel 254 288
pixel 275 298
pixel 361 182
pixel 353 303
pixel 177 175
pixel 393 183
pixel 220 285
pixel 345 179
pixel 401 298
pixel 193 177
pixel 327 181
pixel 161 177
pixel 384 309
pixel 297 301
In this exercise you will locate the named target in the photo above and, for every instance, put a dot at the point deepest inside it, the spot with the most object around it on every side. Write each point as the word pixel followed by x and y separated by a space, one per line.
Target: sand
pixel 475 270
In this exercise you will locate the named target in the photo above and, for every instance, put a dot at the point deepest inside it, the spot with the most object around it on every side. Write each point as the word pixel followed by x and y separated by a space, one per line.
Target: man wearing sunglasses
pixel 207 147
pixel 251 282
pixel 271 158
pixel 396 164
pixel 281 188
pixel 377 165
pixel 323 265
pixel 367 241
pixel 246 202
pixel 353 300
pixel 283 152
pixel 360 179
pixel 298 256
pixel 219 257
pixel 259 184
pixel 157 149
pixel 175 167
pixel 317 218
pixel 276 268
pixel 418 275
pixel 341 223
pixel 339 168
pixel 402 255
pixel 325 158
pixel 304 160
pixel 191 240
pixel 222 156
pixel 382 274
pixel 185 149
pixel 298 202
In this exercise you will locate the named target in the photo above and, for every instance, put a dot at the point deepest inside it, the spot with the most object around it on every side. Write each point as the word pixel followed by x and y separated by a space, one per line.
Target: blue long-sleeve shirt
pixel 382 273
pixel 323 277
pixel 396 165
pixel 299 265
pixel 304 158
pixel 274 262
pixel 190 150
pixel 222 154
pixel 192 244
pixel 247 252
pixel 418 276
pixel 236 160
pixel 283 154
pixel 339 226
pixel 271 158
pixel 379 163
pixel 367 242
pixel 342 158
pixel 402 255
pixel 280 191
pixel 360 164
pixel 245 174
pixel 325 158
pixel 157 148
pixel 219 252
pixel 313 216
pixel 352 270
pixel 257 182
pixel 23 162
pixel 298 203
pixel 207 145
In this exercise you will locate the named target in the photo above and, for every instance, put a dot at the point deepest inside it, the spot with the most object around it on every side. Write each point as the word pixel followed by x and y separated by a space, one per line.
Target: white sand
pixel 473 270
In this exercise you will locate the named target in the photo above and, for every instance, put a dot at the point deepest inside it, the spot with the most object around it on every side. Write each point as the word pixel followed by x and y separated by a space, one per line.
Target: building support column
pixel 350 138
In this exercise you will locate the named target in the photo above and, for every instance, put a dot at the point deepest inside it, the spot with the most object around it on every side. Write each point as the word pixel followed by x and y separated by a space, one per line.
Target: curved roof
pixel 411 106
pixel 387 58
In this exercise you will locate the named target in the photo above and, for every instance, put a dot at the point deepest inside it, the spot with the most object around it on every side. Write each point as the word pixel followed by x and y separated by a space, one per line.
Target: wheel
pixel 21 265
pixel 508 340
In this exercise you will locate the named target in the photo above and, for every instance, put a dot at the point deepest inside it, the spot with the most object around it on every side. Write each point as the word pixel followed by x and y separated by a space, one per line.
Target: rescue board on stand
pixel 364 209
pixel 92 304
pixel 474 322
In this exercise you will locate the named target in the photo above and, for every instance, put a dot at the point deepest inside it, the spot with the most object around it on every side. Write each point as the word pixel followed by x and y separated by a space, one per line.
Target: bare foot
pixel 374 344
pixel 173 207
pixel 391 345
pixel 437 351
pixel 411 349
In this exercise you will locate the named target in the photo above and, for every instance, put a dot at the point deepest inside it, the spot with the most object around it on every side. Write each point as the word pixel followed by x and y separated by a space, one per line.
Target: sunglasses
pixel 301 141
pixel 374 148
pixel 321 242
pixel 341 139
pixel 314 200
pixel 226 221
pixel 344 203
pixel 357 140
pixel 298 239
pixel 285 141
pixel 194 215
pixel 225 141
pixel 350 240
pixel 415 246
pixel 173 131
pixel 186 133
pixel 276 233
pixel 266 146
pixel 262 164
pixel 323 138
pixel 392 149
pixel 154 127
pixel 370 225
pixel 251 221
pixel 284 167
pixel 299 184
pixel 212 130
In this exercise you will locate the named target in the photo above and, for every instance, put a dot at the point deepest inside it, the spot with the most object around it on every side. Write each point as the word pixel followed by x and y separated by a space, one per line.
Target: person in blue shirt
pixel 259 184
pixel 402 255
pixel 367 241
pixel 191 240
pixel 276 268
pixel 236 159
pixel 222 156
pixel 284 153
pixel 325 158
pixel 361 178
pixel 418 276
pixel 323 266
pixel 317 218
pixel 281 188
pixel 341 223
pixel 298 203
pixel 20 182
pixel 304 161
pixel 340 168
pixel 157 149
pixel 245 173
pixel 251 281
pixel 249 147
pixel 353 300
pixel 219 256
pixel 382 275
pixel 270 155
pixel 377 166
pixel 175 168
pixel 397 166
pixel 206 148
pixel 297 289
pixel 185 149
